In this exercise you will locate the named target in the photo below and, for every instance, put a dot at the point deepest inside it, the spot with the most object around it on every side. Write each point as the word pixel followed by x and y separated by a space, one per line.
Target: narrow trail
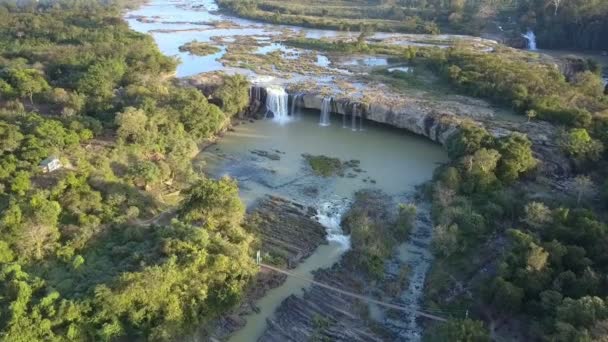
pixel 354 295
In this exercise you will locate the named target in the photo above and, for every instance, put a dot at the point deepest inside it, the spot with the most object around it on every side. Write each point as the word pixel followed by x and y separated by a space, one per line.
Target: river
pixel 389 159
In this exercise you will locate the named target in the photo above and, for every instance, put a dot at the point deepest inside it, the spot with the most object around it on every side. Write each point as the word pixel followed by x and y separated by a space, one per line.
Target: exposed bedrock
pixel 287 229
pixel 324 315
pixel 435 125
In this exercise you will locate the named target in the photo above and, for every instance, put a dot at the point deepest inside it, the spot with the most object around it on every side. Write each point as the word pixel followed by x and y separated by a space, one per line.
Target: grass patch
pixel 324 166
pixel 199 48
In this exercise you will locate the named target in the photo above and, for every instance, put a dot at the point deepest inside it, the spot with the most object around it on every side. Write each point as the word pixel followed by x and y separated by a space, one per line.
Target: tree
pixel 26 82
pixel 479 170
pixel 578 143
pixel 537 258
pixel 131 124
pixel 516 157
pixel 405 221
pixel 214 204
pixel 505 296
pixel 469 139
pixel 146 172
pixel 21 183
pixel 10 137
pixel 200 118
pixel 460 330
pixel 39 231
pixel 6 254
pixel 537 214
pixel 582 312
pixel 234 93
pixel 445 239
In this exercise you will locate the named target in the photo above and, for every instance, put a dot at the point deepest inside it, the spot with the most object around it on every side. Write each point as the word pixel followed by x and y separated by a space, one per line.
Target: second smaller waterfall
pixel 531 38
pixel 295 104
pixel 276 103
pixel 325 112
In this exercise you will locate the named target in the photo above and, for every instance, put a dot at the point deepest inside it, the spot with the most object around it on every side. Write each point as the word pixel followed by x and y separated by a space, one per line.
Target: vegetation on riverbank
pixel 375 230
pixel 199 48
pixel 542 257
pixel 559 24
pixel 354 16
pixel 78 258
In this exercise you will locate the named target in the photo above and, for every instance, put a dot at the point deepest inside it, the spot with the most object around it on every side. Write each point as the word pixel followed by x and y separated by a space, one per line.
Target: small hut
pixel 50 164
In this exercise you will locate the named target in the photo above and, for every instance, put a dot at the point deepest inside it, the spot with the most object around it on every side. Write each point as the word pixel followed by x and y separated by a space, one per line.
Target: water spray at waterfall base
pixel 276 103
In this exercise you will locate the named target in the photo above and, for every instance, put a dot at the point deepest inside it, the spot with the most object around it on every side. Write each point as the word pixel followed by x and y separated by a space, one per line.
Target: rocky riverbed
pixel 288 233
pixel 325 315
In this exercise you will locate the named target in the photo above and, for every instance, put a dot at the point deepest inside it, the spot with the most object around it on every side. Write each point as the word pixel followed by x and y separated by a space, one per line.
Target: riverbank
pixel 321 314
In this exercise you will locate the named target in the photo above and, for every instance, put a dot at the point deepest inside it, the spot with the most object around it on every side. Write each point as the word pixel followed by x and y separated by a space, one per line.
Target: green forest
pixel 80 248
pixel 125 241
pixel 563 24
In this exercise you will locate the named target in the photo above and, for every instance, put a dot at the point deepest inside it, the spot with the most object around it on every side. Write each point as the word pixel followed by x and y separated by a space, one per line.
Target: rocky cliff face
pixel 432 124
pixel 439 126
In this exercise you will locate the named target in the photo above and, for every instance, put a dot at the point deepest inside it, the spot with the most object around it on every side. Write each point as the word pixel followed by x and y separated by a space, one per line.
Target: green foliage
pixel 513 81
pixel 324 166
pixel 479 171
pixel 132 125
pixel 24 83
pixel 337 15
pixel 578 143
pixel 468 140
pixel 20 184
pixel 214 204
pixel 515 157
pixel 71 268
pixel 145 172
pixel 374 233
pixel 200 118
pixel 234 94
pixel 405 221
pixel 459 330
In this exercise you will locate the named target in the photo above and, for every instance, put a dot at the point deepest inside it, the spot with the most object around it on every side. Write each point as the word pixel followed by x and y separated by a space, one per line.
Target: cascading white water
pixel 295 105
pixel 531 38
pixel 325 112
pixel 276 103
pixel 354 117
pixel 330 216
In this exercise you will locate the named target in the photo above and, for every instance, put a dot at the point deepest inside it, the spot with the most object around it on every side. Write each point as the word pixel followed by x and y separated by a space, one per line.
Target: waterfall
pixel 344 120
pixel 354 117
pixel 361 122
pixel 325 112
pixel 255 94
pixel 330 216
pixel 276 103
pixel 531 38
pixel 295 104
